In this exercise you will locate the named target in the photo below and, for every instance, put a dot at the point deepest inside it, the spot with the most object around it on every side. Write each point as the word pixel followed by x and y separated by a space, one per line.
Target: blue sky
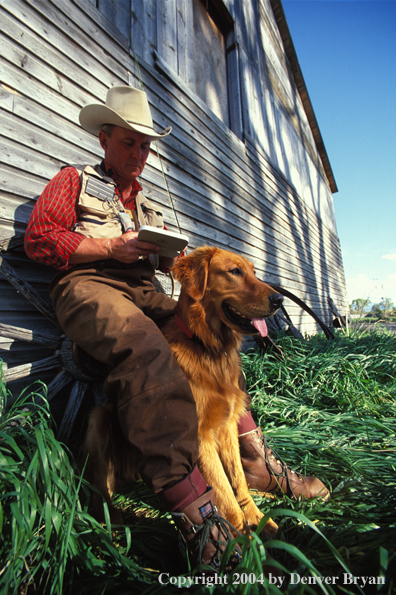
pixel 347 53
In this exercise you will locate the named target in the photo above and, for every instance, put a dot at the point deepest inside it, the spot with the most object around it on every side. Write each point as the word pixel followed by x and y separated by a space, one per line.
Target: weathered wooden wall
pixel 259 189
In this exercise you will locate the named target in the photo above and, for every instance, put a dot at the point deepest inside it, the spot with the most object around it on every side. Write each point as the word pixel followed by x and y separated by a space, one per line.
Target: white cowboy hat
pixel 126 107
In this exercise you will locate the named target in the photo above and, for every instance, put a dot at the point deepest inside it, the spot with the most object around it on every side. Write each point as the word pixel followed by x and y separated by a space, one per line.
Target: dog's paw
pixel 270 530
pixel 252 514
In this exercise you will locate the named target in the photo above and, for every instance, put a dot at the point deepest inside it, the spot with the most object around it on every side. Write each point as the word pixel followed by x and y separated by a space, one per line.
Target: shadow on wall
pixel 308 255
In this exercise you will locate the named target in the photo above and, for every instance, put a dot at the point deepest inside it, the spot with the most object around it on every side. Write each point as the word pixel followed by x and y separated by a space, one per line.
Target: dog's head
pixel 223 288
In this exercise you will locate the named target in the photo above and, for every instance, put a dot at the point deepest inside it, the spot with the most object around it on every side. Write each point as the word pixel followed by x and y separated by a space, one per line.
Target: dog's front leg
pixel 211 467
pixel 231 460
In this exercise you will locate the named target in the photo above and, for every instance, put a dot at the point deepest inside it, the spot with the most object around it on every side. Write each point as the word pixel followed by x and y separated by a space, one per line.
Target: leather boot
pixel 266 472
pixel 206 533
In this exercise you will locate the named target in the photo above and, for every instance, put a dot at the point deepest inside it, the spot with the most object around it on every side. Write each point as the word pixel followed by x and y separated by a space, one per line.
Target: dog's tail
pixel 97 454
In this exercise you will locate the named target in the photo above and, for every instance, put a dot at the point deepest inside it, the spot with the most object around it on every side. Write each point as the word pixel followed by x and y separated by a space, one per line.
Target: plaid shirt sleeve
pixel 48 237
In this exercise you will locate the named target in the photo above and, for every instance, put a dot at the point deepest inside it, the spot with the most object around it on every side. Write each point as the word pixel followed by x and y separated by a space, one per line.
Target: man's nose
pixel 137 151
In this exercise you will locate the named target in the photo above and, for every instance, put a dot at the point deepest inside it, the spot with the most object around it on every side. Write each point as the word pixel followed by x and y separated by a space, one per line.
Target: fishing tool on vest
pixel 106 192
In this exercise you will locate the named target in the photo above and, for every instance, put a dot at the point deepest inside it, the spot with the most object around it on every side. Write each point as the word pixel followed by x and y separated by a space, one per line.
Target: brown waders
pixel 111 310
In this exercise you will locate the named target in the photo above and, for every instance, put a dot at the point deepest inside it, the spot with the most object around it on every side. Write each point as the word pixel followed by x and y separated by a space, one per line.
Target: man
pixel 85 224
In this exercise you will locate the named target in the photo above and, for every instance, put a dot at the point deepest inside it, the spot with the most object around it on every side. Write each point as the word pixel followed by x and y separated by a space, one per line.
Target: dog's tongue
pixel 259 324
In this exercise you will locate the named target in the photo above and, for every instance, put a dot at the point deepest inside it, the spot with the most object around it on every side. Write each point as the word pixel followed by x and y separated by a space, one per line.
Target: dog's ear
pixel 192 271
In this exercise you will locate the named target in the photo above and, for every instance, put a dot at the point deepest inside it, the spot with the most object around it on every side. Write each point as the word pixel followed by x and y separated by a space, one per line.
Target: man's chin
pixel 133 172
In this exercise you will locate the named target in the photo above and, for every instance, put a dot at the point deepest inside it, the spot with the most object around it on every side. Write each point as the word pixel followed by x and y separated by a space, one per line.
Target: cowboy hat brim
pixel 94 116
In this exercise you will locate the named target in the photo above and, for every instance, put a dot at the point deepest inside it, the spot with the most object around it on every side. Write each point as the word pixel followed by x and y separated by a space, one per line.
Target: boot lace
pixel 269 454
pixel 204 535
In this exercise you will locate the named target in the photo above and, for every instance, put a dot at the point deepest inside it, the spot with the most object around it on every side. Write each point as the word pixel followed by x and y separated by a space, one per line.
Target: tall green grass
pixel 328 408
pixel 48 541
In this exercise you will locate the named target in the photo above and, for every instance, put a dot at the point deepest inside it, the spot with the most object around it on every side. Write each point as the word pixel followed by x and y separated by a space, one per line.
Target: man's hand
pixel 125 248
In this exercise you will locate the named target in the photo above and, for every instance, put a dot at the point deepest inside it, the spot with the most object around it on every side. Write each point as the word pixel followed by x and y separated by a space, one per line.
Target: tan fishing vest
pixel 102 214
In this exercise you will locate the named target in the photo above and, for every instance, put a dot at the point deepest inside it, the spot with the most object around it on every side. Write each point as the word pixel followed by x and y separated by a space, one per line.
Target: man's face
pixel 126 151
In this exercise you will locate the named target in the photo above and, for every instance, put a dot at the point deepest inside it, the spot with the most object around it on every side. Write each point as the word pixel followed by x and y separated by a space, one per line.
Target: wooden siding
pixel 266 196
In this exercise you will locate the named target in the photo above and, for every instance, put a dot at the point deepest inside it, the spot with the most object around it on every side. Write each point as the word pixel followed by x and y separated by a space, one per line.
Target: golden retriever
pixel 220 300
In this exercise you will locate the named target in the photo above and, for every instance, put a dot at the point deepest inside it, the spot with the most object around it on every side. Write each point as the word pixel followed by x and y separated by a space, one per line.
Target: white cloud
pixel 389 256
pixel 373 289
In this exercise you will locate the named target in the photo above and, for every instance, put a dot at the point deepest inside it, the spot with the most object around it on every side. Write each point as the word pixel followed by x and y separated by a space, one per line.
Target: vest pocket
pixel 93 226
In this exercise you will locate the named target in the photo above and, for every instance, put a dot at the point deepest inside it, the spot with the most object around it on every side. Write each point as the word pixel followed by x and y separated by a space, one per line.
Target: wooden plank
pixel 13 301
pixel 14 208
pixel 243 175
pixel 234 91
pixel 237 199
pixel 144 28
pixel 278 184
pixel 272 65
pixel 80 29
pixel 34 138
pixel 27 290
pixel 246 170
pixel 185 47
pixel 36 114
pixel 250 202
pixel 26 335
pixel 25 159
pixel 27 370
pixel 32 271
pixel 15 78
pixel 31 43
pixel 59 32
pixel 117 12
pixel 32 320
pixel 111 49
pixel 34 68
pixel 192 109
pixel 167 33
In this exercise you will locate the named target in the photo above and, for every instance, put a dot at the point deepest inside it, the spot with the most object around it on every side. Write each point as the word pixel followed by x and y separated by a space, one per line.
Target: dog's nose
pixel 276 300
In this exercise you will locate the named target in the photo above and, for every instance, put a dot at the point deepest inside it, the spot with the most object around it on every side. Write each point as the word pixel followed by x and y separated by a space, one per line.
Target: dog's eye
pixel 236 271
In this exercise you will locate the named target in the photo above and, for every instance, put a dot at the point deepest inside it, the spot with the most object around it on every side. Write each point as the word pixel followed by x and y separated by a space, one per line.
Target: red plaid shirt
pixel 49 237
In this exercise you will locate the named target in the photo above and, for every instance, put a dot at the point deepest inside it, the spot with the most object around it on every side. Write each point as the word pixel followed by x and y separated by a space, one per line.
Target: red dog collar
pixel 183 327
